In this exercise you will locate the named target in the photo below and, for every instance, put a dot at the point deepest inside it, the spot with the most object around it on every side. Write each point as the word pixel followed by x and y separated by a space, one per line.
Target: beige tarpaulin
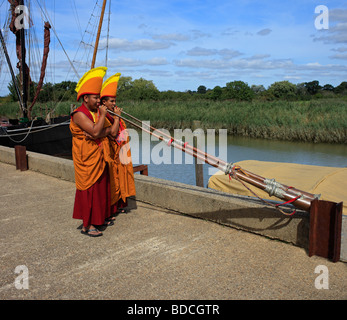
pixel 330 182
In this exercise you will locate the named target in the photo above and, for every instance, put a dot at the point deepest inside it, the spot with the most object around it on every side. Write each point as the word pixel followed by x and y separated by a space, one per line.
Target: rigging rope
pixel 87 42
pixel 9 136
pixel 50 21
pixel 74 10
pixel 30 129
pixel 108 31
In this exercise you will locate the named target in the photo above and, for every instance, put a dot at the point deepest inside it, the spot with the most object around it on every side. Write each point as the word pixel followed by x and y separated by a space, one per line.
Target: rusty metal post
pixel 199 169
pixel 21 158
pixel 142 168
pixel 325 229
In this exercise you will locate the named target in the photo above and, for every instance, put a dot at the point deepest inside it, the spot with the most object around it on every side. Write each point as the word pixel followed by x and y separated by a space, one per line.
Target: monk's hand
pixel 111 137
pixel 88 136
pixel 103 110
pixel 117 111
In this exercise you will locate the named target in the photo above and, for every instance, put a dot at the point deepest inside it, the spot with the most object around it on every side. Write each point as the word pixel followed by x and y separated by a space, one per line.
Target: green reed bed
pixel 321 120
pixel 314 121
pixel 12 109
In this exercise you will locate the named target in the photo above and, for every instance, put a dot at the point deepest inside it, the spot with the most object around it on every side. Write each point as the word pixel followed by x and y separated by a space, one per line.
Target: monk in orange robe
pixel 119 161
pixel 92 200
pixel 117 151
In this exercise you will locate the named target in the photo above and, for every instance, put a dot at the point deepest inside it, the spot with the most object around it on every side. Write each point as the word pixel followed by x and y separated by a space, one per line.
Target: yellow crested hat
pixel 91 82
pixel 109 88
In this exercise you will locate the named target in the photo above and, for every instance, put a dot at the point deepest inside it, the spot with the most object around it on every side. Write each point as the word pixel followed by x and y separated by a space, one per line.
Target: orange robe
pixel 92 200
pixel 118 156
pixel 87 155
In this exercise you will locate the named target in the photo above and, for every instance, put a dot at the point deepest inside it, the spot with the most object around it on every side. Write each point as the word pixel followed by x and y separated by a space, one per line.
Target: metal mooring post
pixel 21 158
pixel 325 229
pixel 199 169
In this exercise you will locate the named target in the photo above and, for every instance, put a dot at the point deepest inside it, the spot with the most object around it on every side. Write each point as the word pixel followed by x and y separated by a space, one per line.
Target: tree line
pixel 283 90
pixel 142 89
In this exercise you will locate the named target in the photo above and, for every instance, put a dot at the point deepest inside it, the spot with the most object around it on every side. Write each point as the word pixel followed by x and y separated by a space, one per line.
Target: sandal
pixel 108 222
pixel 90 234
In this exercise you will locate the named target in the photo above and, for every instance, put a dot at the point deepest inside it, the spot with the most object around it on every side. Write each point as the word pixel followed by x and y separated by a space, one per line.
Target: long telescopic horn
pixel 298 198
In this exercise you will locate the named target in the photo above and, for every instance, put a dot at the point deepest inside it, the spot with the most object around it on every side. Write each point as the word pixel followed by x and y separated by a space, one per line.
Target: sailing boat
pixel 51 137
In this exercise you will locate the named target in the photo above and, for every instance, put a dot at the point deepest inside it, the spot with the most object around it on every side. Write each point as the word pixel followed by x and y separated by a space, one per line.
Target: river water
pixel 172 164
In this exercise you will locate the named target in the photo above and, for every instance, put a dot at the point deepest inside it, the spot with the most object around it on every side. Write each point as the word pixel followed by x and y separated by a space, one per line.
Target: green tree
pixel 328 87
pixel 216 93
pixel 313 87
pixel 63 91
pixel 202 90
pixel 47 93
pixel 239 90
pixel 282 90
pixel 341 88
pixel 173 95
pixel 258 88
pixel 124 83
pixel 143 89
pixel 13 93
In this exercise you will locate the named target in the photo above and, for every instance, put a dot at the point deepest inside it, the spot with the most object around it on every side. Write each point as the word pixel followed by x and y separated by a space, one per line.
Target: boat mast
pixel 98 34
pixel 23 69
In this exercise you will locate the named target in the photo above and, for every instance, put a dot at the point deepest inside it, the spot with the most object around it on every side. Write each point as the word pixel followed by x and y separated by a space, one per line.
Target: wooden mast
pixel 23 69
pixel 98 34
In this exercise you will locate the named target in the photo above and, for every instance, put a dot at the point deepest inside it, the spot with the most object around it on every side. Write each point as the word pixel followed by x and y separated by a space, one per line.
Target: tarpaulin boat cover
pixel 329 182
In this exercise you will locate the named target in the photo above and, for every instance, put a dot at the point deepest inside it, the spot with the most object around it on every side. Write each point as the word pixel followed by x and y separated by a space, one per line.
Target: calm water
pixel 172 164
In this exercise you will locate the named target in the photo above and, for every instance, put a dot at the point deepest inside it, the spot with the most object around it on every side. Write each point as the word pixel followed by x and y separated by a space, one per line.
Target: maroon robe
pixel 92 205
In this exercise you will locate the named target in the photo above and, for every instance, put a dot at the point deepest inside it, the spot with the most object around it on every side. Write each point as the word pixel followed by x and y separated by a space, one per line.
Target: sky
pixel 180 45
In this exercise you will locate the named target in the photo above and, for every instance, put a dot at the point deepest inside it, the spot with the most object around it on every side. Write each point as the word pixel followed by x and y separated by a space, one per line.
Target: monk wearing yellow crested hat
pixel 117 151
pixel 92 200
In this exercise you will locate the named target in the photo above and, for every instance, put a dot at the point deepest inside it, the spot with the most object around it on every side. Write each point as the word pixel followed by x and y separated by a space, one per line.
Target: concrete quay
pixel 158 250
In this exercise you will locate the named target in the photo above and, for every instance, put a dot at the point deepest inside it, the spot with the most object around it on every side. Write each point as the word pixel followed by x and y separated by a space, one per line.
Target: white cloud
pixel 337 34
pixel 264 32
pixel 229 53
pixel 292 77
pixel 171 37
pixel 337 30
pixel 130 62
pixel 341 49
pixel 225 53
pixel 199 34
pixel 177 36
pixel 229 32
pixel 342 56
pixel 198 51
pixel 136 45
pixel 313 65
pixel 336 15
pixel 249 63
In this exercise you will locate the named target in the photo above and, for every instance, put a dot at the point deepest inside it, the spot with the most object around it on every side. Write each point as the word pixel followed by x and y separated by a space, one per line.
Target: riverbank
pixel 316 120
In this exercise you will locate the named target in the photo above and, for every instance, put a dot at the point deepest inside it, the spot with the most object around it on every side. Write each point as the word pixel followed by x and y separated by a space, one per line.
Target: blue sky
pixel 183 44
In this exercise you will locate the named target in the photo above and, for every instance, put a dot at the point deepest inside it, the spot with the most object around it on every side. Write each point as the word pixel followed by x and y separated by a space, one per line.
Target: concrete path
pixel 149 253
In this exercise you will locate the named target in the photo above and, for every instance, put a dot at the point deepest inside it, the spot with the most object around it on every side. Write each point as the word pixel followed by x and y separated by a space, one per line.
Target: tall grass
pixel 323 120
pixel 314 121
pixel 12 109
